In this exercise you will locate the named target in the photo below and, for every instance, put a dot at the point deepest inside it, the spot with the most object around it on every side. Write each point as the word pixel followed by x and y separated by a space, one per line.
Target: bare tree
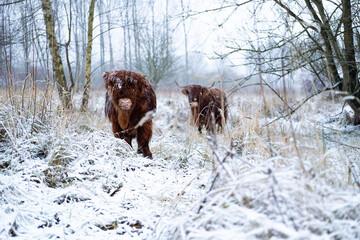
pixel 136 31
pixel 100 6
pixel 87 84
pixel 10 3
pixel 157 60
pixel 108 18
pixel 184 17
pixel 6 48
pixel 64 92
pixel 67 44
pixel 320 38
pixel 337 47
pixel 79 24
pixel 128 29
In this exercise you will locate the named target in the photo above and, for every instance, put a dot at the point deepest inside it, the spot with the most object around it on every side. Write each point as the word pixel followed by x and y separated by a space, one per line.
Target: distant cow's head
pixel 194 93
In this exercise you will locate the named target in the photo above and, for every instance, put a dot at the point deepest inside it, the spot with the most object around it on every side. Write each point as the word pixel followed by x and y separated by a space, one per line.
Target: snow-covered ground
pixel 64 175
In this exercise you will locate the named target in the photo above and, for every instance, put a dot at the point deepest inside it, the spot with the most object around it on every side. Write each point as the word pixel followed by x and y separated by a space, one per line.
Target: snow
pixel 65 176
pixel 119 85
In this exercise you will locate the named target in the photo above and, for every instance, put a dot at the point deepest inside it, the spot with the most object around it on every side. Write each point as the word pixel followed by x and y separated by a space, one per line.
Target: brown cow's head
pixel 123 88
pixel 194 93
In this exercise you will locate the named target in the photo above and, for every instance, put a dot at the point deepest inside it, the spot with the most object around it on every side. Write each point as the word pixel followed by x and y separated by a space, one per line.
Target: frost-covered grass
pixel 63 174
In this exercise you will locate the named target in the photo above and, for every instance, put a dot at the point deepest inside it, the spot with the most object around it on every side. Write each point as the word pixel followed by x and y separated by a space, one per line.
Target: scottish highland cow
pixel 208 106
pixel 130 102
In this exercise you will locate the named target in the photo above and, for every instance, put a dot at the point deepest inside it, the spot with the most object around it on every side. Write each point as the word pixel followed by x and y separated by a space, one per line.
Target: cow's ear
pixel 105 76
pixel 185 91
pixel 112 78
pixel 204 91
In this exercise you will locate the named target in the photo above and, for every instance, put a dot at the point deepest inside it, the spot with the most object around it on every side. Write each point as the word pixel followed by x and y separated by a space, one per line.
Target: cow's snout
pixel 194 104
pixel 125 103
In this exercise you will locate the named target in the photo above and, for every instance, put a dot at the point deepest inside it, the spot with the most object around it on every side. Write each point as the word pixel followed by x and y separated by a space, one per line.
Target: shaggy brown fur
pixel 206 106
pixel 129 99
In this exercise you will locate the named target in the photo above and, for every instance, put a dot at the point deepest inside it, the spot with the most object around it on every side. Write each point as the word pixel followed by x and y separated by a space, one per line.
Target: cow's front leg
pixel 128 138
pixel 118 132
pixel 143 137
pixel 122 134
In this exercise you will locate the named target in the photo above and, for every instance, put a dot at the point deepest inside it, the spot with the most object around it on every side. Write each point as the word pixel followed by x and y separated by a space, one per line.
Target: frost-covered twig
pixel 352 170
pixel 343 144
pixel 353 173
pixel 277 204
pixel 187 185
pixel 214 146
pixel 351 163
pixel 229 153
pixel 148 116
pixel 301 103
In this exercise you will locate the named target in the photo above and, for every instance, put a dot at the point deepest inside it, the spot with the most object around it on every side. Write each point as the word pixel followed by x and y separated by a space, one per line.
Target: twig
pixel 213 144
pixel 351 163
pixel 187 185
pixel 217 175
pixel 344 144
pixel 353 173
pixel 274 181
pixel 7 4
pixel 116 189
pixel 302 103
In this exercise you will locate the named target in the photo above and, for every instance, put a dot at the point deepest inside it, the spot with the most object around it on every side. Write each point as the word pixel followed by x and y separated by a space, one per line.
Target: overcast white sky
pixel 204 33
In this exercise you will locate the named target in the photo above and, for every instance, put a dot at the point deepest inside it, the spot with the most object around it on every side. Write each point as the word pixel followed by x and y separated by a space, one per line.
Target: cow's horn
pixel 178 84
pixel 212 84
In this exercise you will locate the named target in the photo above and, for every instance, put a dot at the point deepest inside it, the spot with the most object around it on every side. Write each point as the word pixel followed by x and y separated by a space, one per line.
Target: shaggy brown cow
pixel 130 102
pixel 207 105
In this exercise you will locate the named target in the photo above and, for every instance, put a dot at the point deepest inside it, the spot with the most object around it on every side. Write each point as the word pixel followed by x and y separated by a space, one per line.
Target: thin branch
pixel 292 14
pixel 229 153
pixel 278 95
pixel 341 143
pixel 10 3
pixel 302 103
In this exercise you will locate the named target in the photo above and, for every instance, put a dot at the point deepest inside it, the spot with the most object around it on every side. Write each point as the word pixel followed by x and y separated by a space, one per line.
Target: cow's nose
pixel 125 103
pixel 194 104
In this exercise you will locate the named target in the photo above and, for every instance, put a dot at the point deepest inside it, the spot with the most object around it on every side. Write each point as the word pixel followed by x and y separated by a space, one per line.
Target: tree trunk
pixel 86 93
pixel 328 52
pixel 185 42
pixel 77 51
pixel 135 30
pixel 350 80
pixel 110 43
pixel 67 44
pixel 128 24
pixel 102 40
pixel 58 68
pixel 125 46
pixel 349 84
